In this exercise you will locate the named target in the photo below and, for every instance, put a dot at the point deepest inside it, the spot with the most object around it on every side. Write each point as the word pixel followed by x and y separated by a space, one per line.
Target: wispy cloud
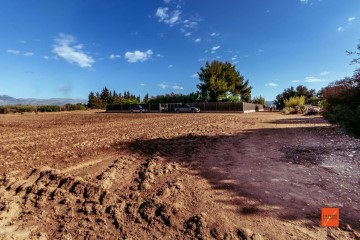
pixel 28 54
pixel 114 56
pixel 170 18
pixel 271 84
pixel 195 75
pixel 346 26
pixel 65 47
pixel 214 34
pixel 187 34
pixel 177 87
pixel 163 85
pixel 162 14
pixel 13 51
pixel 190 24
pixel 214 49
pixel 65 90
pixel 170 66
pixel 295 81
pixel 324 73
pixel 167 1
pixel 313 80
pixel 46 57
pixel 197 40
pixel 142 84
pixel 138 56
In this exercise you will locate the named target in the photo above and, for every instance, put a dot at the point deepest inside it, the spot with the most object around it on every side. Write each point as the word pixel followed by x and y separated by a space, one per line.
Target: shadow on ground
pixel 266 166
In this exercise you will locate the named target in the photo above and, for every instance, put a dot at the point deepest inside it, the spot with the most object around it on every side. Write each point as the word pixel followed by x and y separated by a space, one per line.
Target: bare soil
pixel 90 175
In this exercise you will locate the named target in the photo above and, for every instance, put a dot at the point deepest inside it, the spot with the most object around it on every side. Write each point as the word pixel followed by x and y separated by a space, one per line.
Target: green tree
pixel 105 96
pixel 94 101
pixel 217 79
pixel 146 98
pixel 259 100
pixel 292 92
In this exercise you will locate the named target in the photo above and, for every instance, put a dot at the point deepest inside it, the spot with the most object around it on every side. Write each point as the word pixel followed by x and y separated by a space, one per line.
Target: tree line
pixel 219 82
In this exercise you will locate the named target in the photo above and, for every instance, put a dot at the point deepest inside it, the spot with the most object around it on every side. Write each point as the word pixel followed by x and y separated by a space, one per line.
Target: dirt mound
pixel 67 207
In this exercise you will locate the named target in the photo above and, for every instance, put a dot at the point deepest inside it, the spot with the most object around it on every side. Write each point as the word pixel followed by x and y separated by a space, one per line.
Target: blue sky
pixel 68 48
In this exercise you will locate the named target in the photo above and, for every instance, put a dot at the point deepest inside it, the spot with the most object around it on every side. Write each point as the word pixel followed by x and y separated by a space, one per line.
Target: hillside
pixel 7 100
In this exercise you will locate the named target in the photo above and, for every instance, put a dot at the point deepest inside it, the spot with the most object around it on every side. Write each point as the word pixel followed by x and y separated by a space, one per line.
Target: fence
pixel 251 107
pixel 203 106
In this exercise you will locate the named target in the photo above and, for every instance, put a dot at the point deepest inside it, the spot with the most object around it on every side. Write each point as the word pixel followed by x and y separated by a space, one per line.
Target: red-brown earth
pixel 89 175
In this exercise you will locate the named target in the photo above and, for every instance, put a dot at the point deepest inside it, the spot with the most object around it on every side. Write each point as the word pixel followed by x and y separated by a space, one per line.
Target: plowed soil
pixel 91 175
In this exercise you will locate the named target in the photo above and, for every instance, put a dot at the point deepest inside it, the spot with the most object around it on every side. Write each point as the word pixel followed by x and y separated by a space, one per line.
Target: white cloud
pixel 174 18
pixel 350 19
pixel 28 54
pixel 195 75
pixel 114 56
pixel 213 49
pixel 214 34
pixel 162 85
pixel 159 55
pixel 190 24
pixel 340 29
pixel 168 18
pixel 142 84
pixel 324 73
pixel 167 1
pixel 271 84
pixel 197 40
pixel 313 79
pixel 46 57
pixel 170 66
pixel 64 47
pixel 304 1
pixel 187 34
pixel 13 51
pixel 161 13
pixel 177 87
pixel 295 81
pixel 138 56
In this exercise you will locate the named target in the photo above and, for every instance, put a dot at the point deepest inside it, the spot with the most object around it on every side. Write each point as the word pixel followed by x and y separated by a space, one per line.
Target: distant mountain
pixel 7 100
pixel 269 103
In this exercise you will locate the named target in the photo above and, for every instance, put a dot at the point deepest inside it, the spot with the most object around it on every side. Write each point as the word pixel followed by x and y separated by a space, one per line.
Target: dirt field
pixel 88 175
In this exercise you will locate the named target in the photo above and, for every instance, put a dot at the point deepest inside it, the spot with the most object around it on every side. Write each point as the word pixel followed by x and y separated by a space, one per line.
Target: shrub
pixel 295 101
pixel 342 104
pixel 49 108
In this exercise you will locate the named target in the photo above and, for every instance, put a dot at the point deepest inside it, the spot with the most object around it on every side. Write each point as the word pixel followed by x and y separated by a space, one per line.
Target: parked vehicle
pixel 186 108
pixel 138 109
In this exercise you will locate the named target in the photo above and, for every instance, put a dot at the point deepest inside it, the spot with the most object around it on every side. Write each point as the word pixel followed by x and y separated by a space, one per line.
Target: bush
pixel 342 104
pixel 49 108
pixel 295 101
pixel 74 107
pixel 17 109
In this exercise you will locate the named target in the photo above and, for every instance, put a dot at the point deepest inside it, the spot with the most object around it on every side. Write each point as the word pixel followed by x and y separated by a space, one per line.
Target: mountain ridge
pixel 8 100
